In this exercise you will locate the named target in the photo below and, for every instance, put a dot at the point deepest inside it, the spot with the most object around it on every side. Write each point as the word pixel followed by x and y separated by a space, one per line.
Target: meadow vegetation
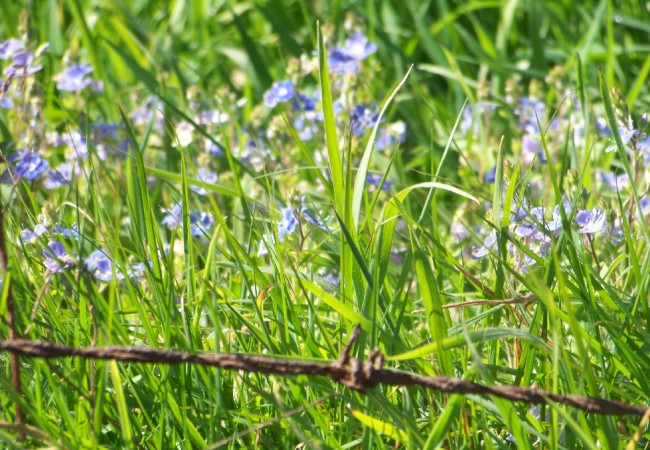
pixel 468 181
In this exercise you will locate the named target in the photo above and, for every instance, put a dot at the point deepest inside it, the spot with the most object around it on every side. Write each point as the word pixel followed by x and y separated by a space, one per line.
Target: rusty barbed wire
pixel 354 373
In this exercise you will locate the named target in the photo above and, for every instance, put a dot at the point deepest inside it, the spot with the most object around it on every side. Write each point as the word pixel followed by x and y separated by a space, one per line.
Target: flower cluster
pixel 200 222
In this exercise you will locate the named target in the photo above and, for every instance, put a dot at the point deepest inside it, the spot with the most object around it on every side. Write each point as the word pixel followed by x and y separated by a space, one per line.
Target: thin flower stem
pixel 593 251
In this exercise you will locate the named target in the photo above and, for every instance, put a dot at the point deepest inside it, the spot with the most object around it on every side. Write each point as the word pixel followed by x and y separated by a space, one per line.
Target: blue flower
pixel 363 117
pixel 644 204
pixel 21 66
pixel 531 148
pixel 137 271
pixel 626 137
pixel 310 217
pixel 212 148
pixel 529 228
pixel 305 127
pixel 530 108
pixel 10 48
pixel 374 180
pixel 73 231
pixel 615 182
pixel 491 175
pixel 591 221
pixel 288 223
pixel 393 133
pixel 99 264
pixel 77 146
pixel 471 116
pixel 28 236
pixel 56 258
pixel 280 92
pixel 206 176
pixel 73 78
pixel 31 166
pixel 384 140
pixel 358 46
pixel 345 59
pixel 555 225
pixel 602 127
pixel 303 103
pixel 6 103
pixel 58 177
pixel 173 217
pixel 200 223
pixel 488 243
pixel 333 278
pixel 341 63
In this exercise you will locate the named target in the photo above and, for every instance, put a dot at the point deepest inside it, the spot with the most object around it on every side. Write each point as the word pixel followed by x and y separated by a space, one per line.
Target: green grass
pixel 396 252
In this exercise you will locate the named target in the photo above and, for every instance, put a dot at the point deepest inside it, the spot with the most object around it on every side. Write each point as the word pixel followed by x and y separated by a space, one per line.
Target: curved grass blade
pixel 476 336
pixel 362 171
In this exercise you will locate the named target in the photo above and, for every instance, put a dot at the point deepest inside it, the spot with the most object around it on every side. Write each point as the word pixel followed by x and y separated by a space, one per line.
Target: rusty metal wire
pixel 356 374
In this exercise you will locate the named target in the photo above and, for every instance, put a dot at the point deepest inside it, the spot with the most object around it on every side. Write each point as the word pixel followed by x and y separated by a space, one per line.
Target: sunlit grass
pixel 246 230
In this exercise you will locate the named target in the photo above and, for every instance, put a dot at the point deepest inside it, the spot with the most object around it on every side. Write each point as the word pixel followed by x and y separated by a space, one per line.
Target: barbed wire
pixel 354 373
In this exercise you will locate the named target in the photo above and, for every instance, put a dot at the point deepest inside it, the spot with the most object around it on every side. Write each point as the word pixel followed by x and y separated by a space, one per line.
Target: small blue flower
pixel 626 137
pixel 333 278
pixel 99 264
pixel 345 59
pixel 28 236
pixel 363 117
pixel 391 134
pixel 310 217
pixel 472 115
pixel 531 148
pixel 491 175
pixel 31 166
pixel 488 243
pixel 137 271
pixel 22 65
pixel 602 127
pixel 73 231
pixel 288 223
pixel 173 217
pixel 341 63
pixel 591 221
pixel 73 78
pixel 555 225
pixel 58 177
pixel 530 107
pixel 200 223
pixel 374 180
pixel 212 148
pixel 6 103
pixel 56 258
pixel 306 128
pixel 10 48
pixel 77 146
pixel 206 176
pixel 359 47
pixel 615 182
pixel 303 103
pixel 280 92
pixel 529 228
pixel 384 140
pixel 644 204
